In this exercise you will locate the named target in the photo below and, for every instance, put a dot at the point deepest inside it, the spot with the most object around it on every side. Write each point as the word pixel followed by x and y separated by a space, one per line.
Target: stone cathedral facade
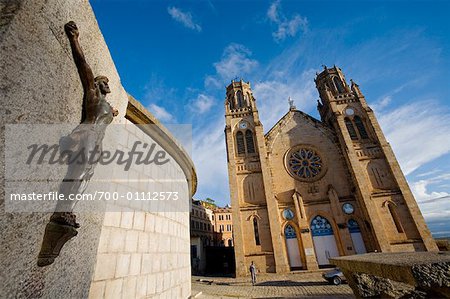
pixel 310 189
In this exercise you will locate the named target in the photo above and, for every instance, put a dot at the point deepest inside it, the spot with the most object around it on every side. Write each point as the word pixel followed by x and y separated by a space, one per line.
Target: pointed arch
pixel 339 86
pixel 249 142
pixel 360 126
pixel 240 143
pixel 325 239
pixel 256 231
pixel 240 99
pixel 350 128
pixel 393 211
pixel 230 104
pixel 356 236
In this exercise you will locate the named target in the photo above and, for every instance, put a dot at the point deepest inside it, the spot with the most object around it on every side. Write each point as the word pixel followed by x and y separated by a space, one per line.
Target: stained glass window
pixel 353 226
pixel 351 129
pixel 249 141
pixel 320 226
pixel 289 232
pixel 359 124
pixel 240 143
pixel 305 163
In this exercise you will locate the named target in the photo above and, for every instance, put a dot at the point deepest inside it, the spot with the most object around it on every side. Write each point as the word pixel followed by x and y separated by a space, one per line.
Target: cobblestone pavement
pixel 298 285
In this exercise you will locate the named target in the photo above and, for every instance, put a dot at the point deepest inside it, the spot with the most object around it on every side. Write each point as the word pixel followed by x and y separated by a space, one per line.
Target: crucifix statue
pixel 85 143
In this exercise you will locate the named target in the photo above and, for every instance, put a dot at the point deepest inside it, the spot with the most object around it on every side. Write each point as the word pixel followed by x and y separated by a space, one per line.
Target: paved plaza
pixel 296 285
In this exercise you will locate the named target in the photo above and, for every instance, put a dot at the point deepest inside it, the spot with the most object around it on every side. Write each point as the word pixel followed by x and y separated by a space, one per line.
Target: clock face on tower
pixel 243 125
pixel 348 208
pixel 349 111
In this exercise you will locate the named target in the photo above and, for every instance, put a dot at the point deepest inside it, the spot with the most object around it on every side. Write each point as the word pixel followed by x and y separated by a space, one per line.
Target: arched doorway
pixel 295 261
pixel 323 239
pixel 355 234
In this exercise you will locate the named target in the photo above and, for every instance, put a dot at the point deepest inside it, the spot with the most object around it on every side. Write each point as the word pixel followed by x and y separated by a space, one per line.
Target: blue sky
pixel 176 57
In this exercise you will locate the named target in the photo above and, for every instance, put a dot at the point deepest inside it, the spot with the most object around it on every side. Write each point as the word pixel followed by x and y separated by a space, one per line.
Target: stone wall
pixel 144 251
pixel 40 84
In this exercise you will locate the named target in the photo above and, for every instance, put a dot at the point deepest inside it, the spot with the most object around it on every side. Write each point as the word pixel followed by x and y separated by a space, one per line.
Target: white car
pixel 334 276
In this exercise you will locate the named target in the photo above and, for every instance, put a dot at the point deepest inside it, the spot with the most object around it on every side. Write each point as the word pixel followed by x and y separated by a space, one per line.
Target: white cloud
pixel 272 96
pixel 235 61
pixel 160 113
pixel 435 206
pixel 418 132
pixel 184 18
pixel 285 27
pixel 210 159
pixel 272 12
pixel 422 194
pixel 382 103
pixel 202 103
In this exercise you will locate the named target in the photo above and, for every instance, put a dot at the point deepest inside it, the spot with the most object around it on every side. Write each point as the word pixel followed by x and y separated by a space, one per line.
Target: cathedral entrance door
pixel 323 239
pixel 355 234
pixel 292 247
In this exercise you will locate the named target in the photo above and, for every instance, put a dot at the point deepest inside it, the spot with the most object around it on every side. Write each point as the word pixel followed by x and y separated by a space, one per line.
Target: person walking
pixel 253 273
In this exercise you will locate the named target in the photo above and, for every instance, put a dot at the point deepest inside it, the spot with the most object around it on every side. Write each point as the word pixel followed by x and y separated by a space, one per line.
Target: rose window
pixel 305 163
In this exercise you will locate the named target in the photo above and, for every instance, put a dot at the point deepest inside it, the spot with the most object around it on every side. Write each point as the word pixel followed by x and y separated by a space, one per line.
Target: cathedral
pixel 310 189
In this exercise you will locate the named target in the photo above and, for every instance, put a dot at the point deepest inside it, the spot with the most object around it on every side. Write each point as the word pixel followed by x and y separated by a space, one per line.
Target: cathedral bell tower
pixel 250 184
pixel 390 210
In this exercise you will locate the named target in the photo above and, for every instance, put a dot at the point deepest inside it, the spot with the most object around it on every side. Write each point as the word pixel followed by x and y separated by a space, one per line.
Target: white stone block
pixel 123 265
pixel 143 242
pixel 147 261
pixel 151 284
pixel 139 220
pixel 112 219
pixel 160 283
pixel 127 219
pixel 152 242
pixel 131 241
pixel 113 289
pixel 141 288
pixel 105 267
pixel 104 239
pixel 156 263
pixel 97 290
pixel 129 287
pixel 167 281
pixel 135 264
pixel 149 222
pixel 116 240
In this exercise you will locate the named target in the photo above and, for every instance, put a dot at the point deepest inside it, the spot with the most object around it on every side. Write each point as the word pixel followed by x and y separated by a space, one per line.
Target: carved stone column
pixel 305 233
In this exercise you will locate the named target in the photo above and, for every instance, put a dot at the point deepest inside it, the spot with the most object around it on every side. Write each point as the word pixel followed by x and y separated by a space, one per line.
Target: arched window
pixel 353 226
pixel 231 103
pixel 249 142
pixel 361 129
pixel 320 226
pixel 351 129
pixel 289 232
pixel 395 217
pixel 240 99
pixel 240 143
pixel 256 231
pixel 230 243
pixel 339 87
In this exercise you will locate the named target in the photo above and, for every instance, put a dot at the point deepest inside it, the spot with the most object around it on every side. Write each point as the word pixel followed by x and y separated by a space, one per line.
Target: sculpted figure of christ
pixel 85 143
